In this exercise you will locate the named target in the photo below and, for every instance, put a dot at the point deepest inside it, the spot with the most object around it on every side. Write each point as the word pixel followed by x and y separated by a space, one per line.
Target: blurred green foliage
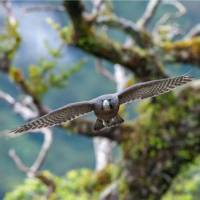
pixel 83 184
pixel 43 76
pixel 9 39
pixel 187 185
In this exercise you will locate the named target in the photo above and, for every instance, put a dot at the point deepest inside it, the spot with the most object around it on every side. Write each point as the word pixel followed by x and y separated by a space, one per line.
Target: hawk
pixel 105 107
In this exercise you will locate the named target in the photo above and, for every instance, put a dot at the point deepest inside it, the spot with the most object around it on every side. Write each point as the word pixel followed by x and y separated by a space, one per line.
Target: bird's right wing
pixel 151 88
pixel 57 117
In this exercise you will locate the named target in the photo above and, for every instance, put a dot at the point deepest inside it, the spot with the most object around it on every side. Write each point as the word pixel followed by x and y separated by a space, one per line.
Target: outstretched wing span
pixel 151 88
pixel 56 117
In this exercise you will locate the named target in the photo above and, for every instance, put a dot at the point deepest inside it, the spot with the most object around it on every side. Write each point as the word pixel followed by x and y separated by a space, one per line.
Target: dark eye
pixel 111 103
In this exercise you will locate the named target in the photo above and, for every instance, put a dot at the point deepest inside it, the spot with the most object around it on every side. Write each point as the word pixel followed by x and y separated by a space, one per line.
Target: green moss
pixel 186 185
pixel 85 183
pixel 155 133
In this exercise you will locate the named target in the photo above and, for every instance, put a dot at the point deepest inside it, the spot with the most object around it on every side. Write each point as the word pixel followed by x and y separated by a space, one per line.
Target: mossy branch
pixel 86 37
pixel 184 51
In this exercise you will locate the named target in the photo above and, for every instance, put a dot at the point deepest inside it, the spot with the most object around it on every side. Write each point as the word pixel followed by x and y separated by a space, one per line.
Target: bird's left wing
pixel 151 88
pixel 57 117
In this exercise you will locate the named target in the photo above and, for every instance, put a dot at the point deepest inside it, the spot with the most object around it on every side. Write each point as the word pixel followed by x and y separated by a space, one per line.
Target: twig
pixel 100 8
pixel 47 133
pixel 20 165
pixel 195 31
pixel 121 23
pixel 26 113
pixel 34 169
pixel 168 21
pixel 180 11
pixel 7 4
pixel 44 8
pixel 148 13
pixel 97 8
pixel 110 193
pixel 18 107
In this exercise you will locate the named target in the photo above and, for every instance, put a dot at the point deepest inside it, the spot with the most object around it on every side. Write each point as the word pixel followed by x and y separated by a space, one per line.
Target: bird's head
pixel 110 103
pixel 107 104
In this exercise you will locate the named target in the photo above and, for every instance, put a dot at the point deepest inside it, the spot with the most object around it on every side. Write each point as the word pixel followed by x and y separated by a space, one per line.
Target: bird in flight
pixel 105 107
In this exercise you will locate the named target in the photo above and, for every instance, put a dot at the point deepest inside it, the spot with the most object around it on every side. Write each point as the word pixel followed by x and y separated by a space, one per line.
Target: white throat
pixel 106 105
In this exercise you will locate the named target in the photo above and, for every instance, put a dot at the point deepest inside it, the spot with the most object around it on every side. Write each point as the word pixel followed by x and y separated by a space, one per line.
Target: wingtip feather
pixel 188 78
pixel 9 133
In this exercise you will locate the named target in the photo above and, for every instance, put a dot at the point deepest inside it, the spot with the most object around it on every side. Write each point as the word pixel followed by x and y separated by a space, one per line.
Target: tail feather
pixel 116 121
pixel 100 124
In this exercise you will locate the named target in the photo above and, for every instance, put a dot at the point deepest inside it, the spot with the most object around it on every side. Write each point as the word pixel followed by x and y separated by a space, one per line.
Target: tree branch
pixel 47 133
pixel 22 167
pixel 18 162
pixel 111 192
pixel 44 8
pixel 26 113
pixel 120 23
pixel 85 37
pixel 85 128
pixel 194 32
pixel 18 107
pixel 183 51
pixel 170 17
pixel 148 13
pixel 34 169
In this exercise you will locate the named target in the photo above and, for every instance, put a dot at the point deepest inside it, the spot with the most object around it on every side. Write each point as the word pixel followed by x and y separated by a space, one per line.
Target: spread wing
pixel 56 117
pixel 151 88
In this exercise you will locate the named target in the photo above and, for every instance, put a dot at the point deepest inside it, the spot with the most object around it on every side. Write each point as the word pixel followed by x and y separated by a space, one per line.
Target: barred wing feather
pixel 56 117
pixel 152 88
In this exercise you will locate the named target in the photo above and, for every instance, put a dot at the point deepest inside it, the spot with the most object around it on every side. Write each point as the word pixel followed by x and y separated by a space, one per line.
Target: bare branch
pixel 7 4
pixel 194 32
pixel 180 11
pixel 47 133
pixel 96 10
pixel 44 8
pixel 34 169
pixel 26 113
pixel 149 13
pixel 18 107
pixel 110 193
pixel 121 23
pixel 20 165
